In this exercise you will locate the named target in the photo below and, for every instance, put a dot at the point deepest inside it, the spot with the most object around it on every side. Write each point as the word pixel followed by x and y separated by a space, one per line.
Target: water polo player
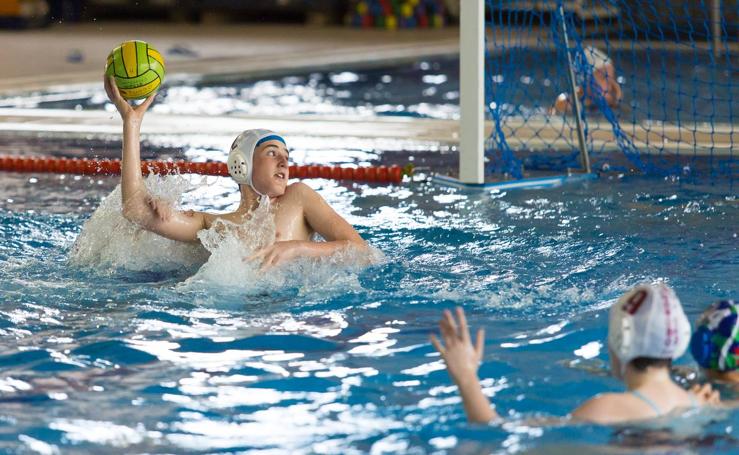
pixel 647 330
pixel 597 75
pixel 258 161
pixel 715 342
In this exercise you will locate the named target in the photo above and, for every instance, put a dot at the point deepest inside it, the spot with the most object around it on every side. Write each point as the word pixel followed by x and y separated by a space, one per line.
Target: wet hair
pixel 641 364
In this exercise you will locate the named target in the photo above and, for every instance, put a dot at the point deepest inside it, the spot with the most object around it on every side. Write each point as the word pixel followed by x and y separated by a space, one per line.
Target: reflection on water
pixel 430 89
pixel 120 359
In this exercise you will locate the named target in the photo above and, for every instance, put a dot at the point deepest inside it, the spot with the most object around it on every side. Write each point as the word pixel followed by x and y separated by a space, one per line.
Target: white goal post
pixel 472 91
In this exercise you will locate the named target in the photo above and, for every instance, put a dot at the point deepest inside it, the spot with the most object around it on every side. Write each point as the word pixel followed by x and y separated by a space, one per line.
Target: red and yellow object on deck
pixel 394 14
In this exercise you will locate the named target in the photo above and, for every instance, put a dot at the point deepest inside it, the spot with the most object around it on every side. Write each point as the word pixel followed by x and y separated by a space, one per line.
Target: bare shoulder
pixel 299 188
pixel 603 408
pixel 602 400
pixel 300 191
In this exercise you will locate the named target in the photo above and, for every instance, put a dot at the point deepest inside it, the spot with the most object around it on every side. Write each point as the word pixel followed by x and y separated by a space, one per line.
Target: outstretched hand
pixel 461 357
pixel 161 208
pixel 277 253
pixel 706 395
pixel 127 110
pixel 462 360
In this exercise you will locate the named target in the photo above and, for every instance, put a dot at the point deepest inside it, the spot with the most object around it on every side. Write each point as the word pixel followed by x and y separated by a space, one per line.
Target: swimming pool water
pixel 109 360
pixel 670 86
pixel 122 352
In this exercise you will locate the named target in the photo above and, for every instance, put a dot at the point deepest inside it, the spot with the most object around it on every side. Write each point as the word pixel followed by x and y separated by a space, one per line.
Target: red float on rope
pixel 381 174
pixel 347 173
pixel 360 174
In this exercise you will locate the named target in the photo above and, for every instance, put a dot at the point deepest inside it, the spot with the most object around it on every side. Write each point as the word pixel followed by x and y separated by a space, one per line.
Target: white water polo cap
pixel 648 321
pixel 241 156
pixel 596 57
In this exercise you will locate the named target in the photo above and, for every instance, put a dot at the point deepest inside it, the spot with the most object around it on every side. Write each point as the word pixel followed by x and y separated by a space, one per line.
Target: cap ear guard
pixel 238 164
pixel 621 337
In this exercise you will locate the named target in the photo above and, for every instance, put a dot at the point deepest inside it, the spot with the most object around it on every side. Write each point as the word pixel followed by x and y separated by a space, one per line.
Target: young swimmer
pixel 602 84
pixel 715 342
pixel 258 161
pixel 647 330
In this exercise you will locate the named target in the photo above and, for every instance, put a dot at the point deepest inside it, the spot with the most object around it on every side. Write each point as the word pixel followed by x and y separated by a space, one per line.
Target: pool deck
pixel 75 54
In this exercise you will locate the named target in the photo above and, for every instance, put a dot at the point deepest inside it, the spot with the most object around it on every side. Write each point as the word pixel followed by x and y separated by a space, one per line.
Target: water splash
pixel 109 242
pixel 229 265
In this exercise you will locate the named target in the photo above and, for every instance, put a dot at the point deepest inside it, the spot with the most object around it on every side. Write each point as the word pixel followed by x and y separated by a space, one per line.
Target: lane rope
pixel 83 166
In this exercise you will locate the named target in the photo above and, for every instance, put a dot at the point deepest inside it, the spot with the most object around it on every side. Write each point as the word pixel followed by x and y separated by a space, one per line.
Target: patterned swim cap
pixel 715 343
pixel 648 321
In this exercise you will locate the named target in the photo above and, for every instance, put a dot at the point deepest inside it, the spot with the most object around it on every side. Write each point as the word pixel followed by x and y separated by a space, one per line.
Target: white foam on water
pixel 229 265
pixel 108 241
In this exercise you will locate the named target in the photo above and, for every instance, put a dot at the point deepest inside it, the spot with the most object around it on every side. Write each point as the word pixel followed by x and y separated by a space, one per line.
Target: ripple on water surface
pixel 114 341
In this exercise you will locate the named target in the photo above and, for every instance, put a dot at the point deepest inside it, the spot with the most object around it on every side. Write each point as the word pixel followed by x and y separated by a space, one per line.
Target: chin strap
pixel 263 198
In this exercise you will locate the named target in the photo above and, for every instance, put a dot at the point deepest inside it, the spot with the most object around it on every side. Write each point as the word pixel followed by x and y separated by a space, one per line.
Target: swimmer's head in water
pixel 715 342
pixel 258 158
pixel 648 321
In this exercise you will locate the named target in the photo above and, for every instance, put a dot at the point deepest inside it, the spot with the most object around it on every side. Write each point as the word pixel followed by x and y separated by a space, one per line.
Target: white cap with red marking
pixel 648 321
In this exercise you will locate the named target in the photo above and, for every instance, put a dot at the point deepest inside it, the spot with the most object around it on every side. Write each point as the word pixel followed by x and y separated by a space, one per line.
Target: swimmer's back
pixel 609 408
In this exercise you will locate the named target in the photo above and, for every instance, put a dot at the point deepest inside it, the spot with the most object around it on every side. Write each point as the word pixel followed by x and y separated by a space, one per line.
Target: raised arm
pixel 462 360
pixel 138 205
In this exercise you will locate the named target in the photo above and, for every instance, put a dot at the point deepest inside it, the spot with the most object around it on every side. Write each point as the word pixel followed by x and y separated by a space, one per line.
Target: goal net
pixel 657 81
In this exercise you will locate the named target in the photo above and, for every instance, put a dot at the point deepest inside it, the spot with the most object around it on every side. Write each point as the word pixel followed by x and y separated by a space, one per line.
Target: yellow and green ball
pixel 137 67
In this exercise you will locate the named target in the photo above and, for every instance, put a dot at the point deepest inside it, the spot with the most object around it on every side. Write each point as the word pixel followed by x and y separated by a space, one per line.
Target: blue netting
pixel 675 116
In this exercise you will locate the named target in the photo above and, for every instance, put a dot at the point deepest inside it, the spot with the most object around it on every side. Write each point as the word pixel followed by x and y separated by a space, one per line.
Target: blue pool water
pixel 114 341
pixel 682 87
pixel 115 355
